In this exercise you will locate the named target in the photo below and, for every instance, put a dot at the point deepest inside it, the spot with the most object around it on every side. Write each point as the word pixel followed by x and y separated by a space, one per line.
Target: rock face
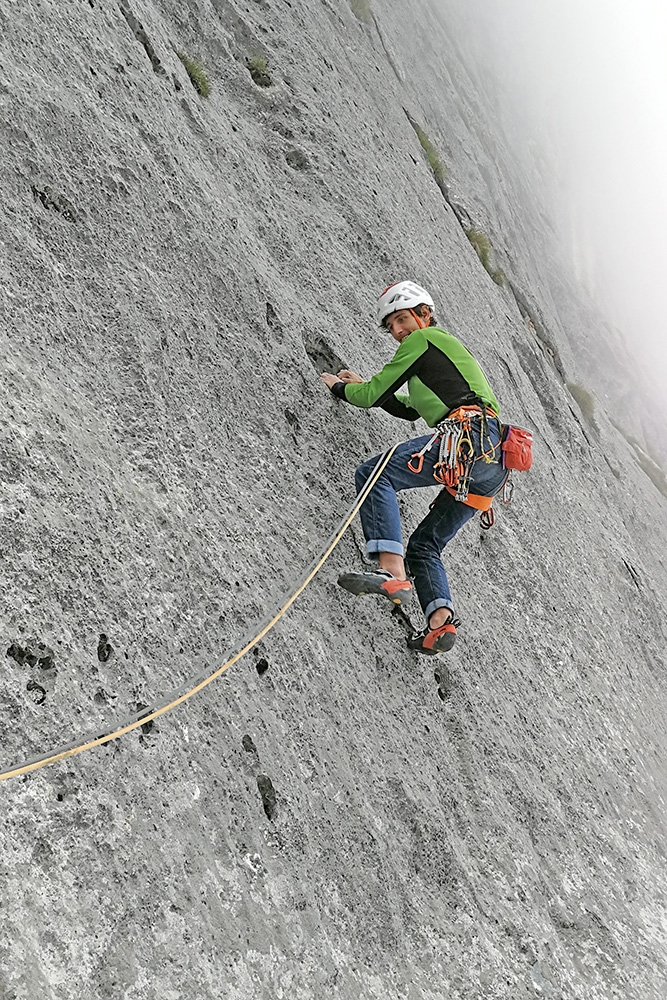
pixel 323 820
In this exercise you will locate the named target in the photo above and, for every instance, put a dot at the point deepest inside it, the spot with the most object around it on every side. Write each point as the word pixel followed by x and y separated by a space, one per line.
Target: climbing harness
pixel 456 455
pixel 196 684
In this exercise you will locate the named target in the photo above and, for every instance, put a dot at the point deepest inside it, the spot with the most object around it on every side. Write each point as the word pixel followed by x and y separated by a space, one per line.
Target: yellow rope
pixel 88 744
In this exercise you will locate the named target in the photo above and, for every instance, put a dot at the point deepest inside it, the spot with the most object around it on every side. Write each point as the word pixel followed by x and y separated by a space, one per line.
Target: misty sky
pixel 593 74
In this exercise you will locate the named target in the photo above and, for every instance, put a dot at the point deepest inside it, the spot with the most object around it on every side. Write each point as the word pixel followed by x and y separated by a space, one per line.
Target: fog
pixel 587 80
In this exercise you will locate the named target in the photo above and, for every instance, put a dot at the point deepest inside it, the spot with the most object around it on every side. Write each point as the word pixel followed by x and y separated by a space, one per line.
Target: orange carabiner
pixel 420 462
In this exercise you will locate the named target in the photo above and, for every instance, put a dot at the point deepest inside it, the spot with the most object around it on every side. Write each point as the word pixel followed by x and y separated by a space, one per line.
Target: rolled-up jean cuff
pixel 376 545
pixel 439 602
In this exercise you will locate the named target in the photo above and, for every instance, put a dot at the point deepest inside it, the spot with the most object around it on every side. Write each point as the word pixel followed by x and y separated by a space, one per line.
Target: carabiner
pixel 419 455
pixel 508 489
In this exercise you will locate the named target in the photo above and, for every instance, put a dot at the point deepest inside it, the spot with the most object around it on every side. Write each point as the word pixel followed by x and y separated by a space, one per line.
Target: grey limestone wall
pixel 325 820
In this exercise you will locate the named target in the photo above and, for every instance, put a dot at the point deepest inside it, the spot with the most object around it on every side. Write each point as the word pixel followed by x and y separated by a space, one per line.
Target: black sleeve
pixel 338 389
pixel 399 409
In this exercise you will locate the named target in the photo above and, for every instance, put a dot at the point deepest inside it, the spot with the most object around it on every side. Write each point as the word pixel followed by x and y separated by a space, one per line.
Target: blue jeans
pixel 381 522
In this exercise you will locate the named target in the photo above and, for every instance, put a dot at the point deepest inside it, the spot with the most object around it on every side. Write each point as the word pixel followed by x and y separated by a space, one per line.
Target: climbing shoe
pixel 377 582
pixel 435 640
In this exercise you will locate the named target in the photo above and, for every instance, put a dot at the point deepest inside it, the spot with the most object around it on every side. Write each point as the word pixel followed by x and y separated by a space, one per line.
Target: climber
pixel 447 387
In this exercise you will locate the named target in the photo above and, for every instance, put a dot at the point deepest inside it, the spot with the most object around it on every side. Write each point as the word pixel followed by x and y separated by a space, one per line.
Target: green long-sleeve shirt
pixel 440 372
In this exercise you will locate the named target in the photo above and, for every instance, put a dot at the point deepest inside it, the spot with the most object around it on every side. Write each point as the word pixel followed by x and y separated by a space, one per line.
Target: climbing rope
pixel 196 684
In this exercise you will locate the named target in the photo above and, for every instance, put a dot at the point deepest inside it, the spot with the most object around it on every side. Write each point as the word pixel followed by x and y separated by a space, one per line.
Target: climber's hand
pixel 349 376
pixel 329 380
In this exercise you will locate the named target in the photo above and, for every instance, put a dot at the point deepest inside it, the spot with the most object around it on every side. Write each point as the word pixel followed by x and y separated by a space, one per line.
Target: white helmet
pixel 402 295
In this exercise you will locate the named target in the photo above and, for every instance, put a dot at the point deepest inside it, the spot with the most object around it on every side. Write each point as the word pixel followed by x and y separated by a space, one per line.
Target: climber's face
pixel 404 322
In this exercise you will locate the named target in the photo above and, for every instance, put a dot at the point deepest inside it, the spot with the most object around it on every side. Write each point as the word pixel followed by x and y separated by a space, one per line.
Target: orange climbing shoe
pixel 377 582
pixel 435 640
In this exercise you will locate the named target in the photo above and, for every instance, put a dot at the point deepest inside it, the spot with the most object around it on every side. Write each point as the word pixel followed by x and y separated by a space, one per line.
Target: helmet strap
pixel 420 322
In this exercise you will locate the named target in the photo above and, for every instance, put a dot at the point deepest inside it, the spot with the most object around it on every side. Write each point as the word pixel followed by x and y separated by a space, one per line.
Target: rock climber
pixel 447 387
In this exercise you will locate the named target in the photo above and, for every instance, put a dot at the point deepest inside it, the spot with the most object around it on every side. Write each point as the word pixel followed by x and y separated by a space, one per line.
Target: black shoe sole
pixel 360 585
